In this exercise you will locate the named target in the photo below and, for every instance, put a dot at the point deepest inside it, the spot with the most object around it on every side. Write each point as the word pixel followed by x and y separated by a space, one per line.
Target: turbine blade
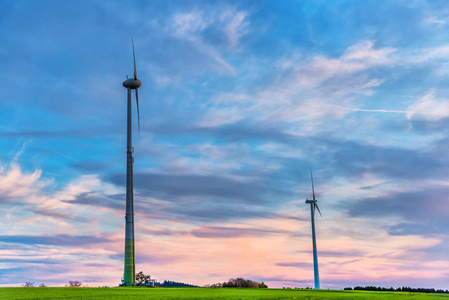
pixel 313 189
pixel 134 56
pixel 316 205
pixel 138 115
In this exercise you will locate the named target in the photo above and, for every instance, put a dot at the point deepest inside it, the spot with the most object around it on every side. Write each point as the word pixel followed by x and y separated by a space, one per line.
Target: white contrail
pixel 370 110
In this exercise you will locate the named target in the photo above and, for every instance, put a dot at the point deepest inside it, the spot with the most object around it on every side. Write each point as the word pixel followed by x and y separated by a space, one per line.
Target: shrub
pixel 28 284
pixel 74 283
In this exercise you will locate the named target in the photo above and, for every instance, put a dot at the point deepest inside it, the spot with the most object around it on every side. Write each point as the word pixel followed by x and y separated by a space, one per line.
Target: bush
pixel 28 284
pixel 74 283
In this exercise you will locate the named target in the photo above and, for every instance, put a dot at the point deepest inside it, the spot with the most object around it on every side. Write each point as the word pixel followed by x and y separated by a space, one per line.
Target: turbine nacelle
pixel 132 83
pixel 314 201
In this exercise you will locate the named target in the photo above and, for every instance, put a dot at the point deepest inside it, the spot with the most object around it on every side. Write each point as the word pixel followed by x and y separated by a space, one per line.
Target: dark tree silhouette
pixel 403 289
pixel 74 283
pixel 168 283
pixel 28 284
pixel 240 283
pixel 141 278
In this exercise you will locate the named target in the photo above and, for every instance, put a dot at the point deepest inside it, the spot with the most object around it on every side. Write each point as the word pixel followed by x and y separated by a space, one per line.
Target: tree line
pixel 168 283
pixel 400 289
pixel 238 283
pixel 72 283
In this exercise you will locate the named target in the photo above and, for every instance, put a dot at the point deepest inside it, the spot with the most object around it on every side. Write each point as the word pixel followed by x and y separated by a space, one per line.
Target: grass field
pixel 200 293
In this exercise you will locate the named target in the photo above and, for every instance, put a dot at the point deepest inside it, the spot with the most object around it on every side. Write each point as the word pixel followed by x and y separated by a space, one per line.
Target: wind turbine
pixel 129 276
pixel 314 205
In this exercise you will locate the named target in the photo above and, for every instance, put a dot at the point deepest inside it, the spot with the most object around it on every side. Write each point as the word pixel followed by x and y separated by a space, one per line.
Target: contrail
pixel 370 110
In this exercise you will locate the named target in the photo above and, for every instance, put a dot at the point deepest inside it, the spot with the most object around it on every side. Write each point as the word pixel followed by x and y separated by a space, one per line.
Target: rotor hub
pixel 132 83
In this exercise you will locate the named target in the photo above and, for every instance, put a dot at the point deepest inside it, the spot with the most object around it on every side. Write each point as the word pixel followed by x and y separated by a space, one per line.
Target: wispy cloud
pixel 429 108
pixel 16 185
pixel 205 30
pixel 303 86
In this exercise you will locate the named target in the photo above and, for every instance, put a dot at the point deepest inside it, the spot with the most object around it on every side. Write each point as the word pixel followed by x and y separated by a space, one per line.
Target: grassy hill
pixel 200 293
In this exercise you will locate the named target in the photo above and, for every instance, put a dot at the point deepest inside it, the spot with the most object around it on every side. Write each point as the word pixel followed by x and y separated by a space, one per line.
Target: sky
pixel 239 99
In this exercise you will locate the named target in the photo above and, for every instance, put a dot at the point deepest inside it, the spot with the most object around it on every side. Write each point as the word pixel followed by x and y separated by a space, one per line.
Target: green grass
pixel 201 293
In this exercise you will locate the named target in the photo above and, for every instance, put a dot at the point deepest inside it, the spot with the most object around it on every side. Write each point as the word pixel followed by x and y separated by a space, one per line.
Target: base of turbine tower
pixel 129 276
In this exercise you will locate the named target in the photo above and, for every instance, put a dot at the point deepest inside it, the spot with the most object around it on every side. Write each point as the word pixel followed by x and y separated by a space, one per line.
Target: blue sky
pixel 238 100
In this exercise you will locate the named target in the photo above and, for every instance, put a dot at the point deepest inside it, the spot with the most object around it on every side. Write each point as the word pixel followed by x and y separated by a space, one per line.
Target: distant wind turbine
pixel 129 276
pixel 313 205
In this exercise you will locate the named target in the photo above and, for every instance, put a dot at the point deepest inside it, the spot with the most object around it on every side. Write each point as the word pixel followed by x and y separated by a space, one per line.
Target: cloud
pixel 174 187
pixel 209 212
pixel 429 54
pixel 307 89
pixel 91 166
pixel 295 265
pixel 392 162
pixel 98 199
pixel 243 131
pixel 236 28
pixel 429 108
pixel 355 59
pixel 224 24
pixel 302 90
pixel 342 254
pixel 15 185
pixel 206 35
pixel 370 110
pixel 62 240
pixel 189 23
pixel 231 232
pixel 231 131
pixel 422 211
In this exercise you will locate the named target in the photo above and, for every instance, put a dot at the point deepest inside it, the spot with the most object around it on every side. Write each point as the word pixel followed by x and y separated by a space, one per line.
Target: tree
pixel 74 283
pixel 42 285
pixel 241 283
pixel 28 284
pixel 141 278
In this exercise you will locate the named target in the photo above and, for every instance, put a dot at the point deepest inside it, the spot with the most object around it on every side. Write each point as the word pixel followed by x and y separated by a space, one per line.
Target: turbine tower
pixel 129 276
pixel 314 205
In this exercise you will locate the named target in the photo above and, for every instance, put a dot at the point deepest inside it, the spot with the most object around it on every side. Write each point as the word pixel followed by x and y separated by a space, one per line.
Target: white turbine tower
pixel 314 205
pixel 129 276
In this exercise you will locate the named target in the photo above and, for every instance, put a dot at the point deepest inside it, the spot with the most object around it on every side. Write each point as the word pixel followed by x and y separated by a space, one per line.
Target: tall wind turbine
pixel 314 205
pixel 129 276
